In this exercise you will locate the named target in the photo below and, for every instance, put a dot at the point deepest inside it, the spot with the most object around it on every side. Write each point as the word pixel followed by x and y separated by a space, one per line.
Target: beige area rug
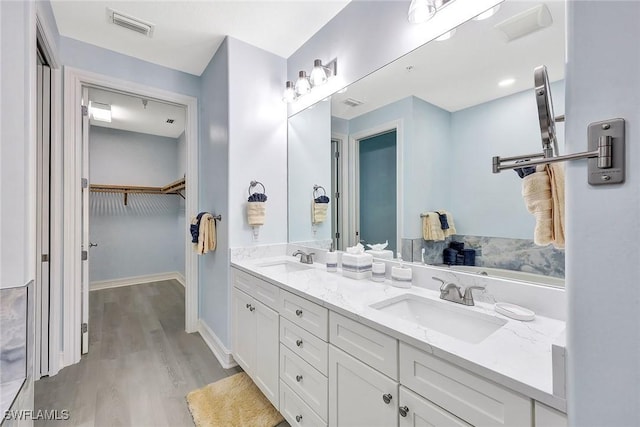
pixel 232 401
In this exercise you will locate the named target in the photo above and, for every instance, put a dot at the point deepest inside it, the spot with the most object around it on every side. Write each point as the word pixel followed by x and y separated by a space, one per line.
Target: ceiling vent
pixel 130 23
pixel 352 102
pixel 170 121
pixel 526 22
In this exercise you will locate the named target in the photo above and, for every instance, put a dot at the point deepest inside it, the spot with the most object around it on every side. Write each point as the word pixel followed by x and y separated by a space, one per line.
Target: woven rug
pixel 232 401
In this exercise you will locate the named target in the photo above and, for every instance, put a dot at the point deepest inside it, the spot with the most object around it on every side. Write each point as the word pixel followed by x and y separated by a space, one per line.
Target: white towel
pixel 206 235
pixel 256 212
pixel 318 212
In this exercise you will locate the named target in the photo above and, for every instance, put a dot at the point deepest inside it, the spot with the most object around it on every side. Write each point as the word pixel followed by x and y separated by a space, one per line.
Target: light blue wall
pixel 309 163
pixel 214 308
pixel 603 223
pixel 144 237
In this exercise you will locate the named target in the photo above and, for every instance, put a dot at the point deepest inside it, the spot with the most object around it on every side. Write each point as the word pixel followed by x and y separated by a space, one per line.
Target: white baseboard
pixel 217 348
pixel 136 280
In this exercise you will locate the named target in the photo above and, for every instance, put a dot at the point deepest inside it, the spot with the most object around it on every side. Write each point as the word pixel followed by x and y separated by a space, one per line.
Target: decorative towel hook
pixel 317 187
pixel 255 183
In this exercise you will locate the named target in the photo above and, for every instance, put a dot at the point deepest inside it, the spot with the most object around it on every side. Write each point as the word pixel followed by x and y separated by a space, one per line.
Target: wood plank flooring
pixel 141 363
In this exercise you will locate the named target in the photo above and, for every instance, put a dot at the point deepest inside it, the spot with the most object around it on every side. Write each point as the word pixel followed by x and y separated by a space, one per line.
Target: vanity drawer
pixel 305 380
pixel 305 314
pixel 306 345
pixel 473 399
pixel 420 411
pixel 261 290
pixel 374 348
pixel 295 411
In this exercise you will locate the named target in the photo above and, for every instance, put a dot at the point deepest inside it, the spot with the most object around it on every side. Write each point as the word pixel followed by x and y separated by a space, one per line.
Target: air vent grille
pixel 130 23
pixel 352 102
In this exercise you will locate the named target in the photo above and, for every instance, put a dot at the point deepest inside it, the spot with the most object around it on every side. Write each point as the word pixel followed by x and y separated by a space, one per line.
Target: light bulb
pixel 318 74
pixel 289 93
pixel 303 86
pixel 421 11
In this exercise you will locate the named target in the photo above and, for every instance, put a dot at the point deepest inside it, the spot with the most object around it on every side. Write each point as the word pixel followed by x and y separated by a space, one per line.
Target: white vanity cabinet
pixel 549 417
pixel 416 411
pixel 255 335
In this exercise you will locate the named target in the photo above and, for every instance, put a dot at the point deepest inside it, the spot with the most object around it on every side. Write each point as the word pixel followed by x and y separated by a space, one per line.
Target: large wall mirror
pixel 418 136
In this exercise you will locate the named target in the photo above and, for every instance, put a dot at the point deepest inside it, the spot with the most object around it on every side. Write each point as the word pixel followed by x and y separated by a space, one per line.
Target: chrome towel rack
pixel 606 141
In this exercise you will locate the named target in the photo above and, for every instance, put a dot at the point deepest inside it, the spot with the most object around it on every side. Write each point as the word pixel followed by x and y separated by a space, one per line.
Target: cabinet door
pixel 244 331
pixel 416 411
pixel 267 346
pixel 357 393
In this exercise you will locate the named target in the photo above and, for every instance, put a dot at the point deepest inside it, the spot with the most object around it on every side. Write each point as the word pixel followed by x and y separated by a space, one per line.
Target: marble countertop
pixel 518 355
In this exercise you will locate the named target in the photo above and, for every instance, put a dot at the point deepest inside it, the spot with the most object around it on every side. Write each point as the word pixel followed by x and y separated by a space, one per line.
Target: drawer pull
pixel 298 312
pixel 299 343
pixel 298 418
pixel 298 378
pixel 403 411
pixel 248 306
pixel 387 398
pixel 252 308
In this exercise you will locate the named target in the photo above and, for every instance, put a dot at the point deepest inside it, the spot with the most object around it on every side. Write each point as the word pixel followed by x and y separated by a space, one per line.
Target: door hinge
pixel 45 258
pixel 337 235
pixel 85 110
pixel 337 154
pixel 84 328
pixel 84 182
pixel 84 256
pixel 337 195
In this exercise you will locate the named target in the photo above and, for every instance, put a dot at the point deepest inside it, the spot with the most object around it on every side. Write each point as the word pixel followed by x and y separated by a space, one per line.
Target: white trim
pixel 398 126
pixel 136 280
pixel 48 43
pixel 74 79
pixel 343 139
pixel 224 356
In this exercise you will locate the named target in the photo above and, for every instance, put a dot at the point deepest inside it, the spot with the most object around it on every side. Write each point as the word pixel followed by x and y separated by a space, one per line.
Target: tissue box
pixel 384 254
pixel 357 266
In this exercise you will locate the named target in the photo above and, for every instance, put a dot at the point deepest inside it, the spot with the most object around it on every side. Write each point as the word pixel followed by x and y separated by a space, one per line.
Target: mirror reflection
pixel 418 135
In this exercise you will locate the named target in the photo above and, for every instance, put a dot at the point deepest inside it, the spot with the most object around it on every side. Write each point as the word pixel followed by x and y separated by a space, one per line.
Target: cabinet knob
pixel 403 411
pixel 298 378
pixel 252 308
pixel 299 343
pixel 248 305
pixel 298 312
pixel 298 418
pixel 387 398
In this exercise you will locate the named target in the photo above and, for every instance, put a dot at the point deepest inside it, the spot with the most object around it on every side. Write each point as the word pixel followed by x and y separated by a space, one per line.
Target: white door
pixel 244 331
pixel 85 220
pixel 359 396
pixel 416 411
pixel 267 351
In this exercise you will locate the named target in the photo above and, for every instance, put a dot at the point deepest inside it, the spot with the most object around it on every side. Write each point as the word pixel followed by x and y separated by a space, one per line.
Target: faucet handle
pixel 468 294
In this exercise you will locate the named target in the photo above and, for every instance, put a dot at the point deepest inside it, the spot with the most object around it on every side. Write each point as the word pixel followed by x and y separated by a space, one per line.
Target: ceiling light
pixel 446 36
pixel 303 86
pixel 421 11
pixel 289 92
pixel 506 82
pixel 487 13
pixel 100 112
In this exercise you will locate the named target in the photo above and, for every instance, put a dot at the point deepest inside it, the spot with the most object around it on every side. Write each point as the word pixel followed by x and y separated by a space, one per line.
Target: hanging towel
pixel 319 208
pixel 256 212
pixel 536 191
pixel 555 171
pixel 431 227
pixel 207 235
pixel 194 228
pixel 451 227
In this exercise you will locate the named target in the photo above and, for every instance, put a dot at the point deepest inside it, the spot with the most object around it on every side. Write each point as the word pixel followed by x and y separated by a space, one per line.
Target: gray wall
pixel 144 237
pixel 603 273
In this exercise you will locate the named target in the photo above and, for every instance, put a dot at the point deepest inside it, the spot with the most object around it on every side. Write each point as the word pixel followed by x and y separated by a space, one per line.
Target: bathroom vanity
pixel 329 350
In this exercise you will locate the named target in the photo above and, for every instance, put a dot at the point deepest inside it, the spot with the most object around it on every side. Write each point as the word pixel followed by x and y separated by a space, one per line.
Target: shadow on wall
pixel 112 204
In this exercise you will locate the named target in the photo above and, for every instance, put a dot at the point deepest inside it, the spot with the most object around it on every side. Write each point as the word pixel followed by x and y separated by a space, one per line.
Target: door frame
pixel 74 80
pixel 353 177
pixel 342 208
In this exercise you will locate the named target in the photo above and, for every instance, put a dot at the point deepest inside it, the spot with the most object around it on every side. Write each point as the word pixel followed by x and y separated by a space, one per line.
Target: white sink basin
pixel 284 266
pixel 444 317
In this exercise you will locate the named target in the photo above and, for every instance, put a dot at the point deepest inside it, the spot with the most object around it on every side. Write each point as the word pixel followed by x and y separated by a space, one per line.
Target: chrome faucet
pixel 305 258
pixel 451 292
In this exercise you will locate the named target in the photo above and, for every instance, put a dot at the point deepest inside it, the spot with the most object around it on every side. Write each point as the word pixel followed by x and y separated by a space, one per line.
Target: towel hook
pixel 255 183
pixel 317 187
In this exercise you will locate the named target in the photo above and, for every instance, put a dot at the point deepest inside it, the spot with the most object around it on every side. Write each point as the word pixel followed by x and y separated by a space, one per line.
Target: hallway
pixel 140 366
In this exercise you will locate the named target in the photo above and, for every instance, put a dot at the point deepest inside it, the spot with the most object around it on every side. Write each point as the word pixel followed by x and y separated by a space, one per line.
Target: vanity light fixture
pixel 289 92
pixel 100 112
pixel 421 11
pixel 303 85
pixel 506 82
pixel 487 13
pixel 320 74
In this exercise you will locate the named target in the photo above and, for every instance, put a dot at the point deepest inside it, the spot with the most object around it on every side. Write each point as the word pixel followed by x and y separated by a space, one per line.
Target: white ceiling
pixel 129 113
pixel 188 32
pixel 464 70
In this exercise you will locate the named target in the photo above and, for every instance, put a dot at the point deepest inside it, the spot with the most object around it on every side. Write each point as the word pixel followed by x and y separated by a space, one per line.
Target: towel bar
pixel 255 183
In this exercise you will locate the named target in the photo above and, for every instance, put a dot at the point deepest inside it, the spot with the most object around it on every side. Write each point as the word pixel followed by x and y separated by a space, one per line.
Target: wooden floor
pixel 141 364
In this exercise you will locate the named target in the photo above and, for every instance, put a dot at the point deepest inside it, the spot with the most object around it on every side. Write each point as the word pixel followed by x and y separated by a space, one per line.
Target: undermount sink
pixel 284 266
pixel 443 317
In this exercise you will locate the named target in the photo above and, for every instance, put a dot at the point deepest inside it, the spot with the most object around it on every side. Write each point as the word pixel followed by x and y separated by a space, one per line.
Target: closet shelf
pixel 175 187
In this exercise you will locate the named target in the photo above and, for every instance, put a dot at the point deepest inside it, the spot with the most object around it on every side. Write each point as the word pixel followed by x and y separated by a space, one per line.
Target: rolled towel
pixel 431 227
pixel 318 211
pixel 536 191
pixel 256 212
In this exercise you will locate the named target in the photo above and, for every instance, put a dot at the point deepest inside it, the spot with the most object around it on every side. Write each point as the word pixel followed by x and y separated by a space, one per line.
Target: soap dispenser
pixel 401 276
